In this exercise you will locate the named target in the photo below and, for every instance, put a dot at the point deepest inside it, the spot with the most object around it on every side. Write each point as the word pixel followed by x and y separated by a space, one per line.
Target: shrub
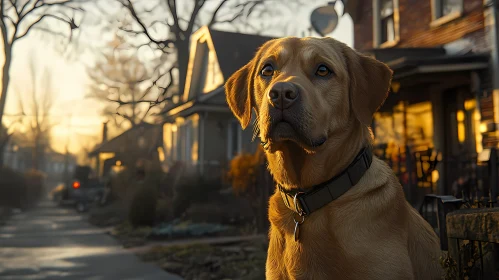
pixel 35 185
pixel 164 211
pixel 121 184
pixel 193 189
pixel 142 210
pixel 243 172
pixel 12 188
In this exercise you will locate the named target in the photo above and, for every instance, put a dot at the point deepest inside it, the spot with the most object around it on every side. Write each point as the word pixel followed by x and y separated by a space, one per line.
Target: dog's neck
pixel 294 168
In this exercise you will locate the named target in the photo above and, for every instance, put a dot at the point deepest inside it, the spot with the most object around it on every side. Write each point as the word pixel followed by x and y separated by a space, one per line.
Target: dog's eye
pixel 322 71
pixel 267 71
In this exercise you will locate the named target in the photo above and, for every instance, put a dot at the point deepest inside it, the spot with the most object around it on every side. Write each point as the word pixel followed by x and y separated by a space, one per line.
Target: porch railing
pixel 468 227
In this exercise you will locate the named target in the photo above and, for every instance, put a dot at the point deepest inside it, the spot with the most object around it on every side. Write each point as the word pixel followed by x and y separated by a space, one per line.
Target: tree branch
pixel 172 5
pixel 42 4
pixel 194 15
pixel 24 12
pixel 24 7
pixel 11 20
pixel 215 13
pixel 13 3
pixel 129 6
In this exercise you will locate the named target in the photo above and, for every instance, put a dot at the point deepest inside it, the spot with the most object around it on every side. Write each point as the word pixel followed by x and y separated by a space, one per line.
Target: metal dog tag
pixel 297 227
pixel 297 230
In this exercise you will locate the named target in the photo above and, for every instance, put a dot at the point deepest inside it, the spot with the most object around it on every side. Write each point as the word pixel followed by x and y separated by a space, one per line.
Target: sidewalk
pixel 57 243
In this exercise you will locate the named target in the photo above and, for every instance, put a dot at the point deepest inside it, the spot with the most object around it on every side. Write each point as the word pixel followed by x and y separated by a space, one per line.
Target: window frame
pixel 377 19
pixel 438 19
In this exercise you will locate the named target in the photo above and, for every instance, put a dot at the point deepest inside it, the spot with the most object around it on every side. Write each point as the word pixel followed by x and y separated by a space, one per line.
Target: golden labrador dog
pixel 338 212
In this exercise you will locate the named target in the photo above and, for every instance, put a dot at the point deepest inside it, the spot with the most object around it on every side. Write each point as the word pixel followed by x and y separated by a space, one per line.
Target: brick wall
pixel 415 29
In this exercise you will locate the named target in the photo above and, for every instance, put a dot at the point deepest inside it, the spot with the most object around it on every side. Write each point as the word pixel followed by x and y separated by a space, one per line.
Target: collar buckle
pixel 299 204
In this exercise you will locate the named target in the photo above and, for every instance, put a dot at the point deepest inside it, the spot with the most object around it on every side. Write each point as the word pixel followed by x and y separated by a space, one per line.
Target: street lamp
pixel 325 19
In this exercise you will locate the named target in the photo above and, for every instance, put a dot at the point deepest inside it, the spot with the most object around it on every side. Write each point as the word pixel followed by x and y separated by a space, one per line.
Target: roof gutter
pixel 440 68
pixel 197 108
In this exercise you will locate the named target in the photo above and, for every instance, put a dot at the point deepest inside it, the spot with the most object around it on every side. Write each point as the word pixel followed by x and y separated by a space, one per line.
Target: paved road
pixel 54 243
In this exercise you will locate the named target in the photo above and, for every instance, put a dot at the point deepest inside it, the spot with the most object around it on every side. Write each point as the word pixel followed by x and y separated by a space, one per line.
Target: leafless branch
pixel 129 6
pixel 215 12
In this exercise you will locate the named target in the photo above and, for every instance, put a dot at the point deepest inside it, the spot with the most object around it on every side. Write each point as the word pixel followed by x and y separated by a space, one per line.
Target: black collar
pixel 304 203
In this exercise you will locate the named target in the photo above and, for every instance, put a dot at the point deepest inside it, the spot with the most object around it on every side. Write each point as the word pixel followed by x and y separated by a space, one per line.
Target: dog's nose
pixel 283 94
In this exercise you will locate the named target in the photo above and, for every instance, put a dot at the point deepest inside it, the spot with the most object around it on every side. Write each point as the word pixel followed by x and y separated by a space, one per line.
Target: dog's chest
pixel 319 252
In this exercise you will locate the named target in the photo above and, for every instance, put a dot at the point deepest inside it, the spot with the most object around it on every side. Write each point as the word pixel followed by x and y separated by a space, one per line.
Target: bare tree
pixel 87 143
pixel 35 104
pixel 19 17
pixel 166 26
pixel 121 80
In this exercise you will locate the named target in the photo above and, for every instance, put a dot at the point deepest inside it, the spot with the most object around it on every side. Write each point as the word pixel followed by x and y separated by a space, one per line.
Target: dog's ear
pixel 238 94
pixel 369 84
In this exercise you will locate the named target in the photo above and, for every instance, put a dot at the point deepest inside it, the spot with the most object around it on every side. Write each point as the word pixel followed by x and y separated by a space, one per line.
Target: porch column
pixel 437 107
pixel 201 139
pixel 491 15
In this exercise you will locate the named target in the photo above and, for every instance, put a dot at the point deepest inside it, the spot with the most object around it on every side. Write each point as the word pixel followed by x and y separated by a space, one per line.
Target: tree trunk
pixel 3 144
pixel 5 87
pixel 134 117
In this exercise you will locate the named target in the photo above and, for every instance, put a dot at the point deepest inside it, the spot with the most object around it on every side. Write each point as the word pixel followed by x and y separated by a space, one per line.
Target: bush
pixel 121 184
pixel 164 211
pixel 194 189
pixel 35 184
pixel 12 188
pixel 243 172
pixel 142 210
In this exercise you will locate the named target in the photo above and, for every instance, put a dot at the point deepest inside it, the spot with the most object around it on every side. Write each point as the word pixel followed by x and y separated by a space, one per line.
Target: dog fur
pixel 370 232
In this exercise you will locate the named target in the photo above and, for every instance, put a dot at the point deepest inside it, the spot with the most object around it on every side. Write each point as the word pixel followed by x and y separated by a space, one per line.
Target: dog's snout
pixel 283 94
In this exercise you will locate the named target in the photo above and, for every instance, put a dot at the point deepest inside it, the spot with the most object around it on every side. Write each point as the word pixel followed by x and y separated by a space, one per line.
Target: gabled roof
pixel 234 50
pixel 120 143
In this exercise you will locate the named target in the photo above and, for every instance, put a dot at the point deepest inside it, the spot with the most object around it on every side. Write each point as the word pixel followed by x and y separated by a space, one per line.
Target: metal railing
pixel 468 227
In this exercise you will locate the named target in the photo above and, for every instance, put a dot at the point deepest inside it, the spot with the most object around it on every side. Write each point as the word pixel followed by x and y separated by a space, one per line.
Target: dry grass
pixel 244 261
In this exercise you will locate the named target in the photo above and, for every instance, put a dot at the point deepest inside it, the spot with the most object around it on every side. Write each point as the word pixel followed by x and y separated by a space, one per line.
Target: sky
pixel 77 119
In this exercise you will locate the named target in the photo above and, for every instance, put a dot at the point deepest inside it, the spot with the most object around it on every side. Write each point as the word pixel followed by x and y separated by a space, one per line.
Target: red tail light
pixel 76 185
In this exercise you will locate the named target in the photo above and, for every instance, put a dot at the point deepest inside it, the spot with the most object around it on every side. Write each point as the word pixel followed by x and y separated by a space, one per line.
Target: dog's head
pixel 305 90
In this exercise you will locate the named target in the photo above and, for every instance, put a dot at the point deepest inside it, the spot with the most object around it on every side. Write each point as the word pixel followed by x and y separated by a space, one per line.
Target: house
pixel 140 143
pixel 18 155
pixel 441 105
pixel 199 130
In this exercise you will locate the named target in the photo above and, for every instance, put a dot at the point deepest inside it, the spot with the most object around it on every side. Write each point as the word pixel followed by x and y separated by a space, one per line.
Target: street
pixel 57 243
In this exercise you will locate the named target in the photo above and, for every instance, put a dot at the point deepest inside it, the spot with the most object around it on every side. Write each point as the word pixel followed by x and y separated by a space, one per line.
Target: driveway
pixel 57 243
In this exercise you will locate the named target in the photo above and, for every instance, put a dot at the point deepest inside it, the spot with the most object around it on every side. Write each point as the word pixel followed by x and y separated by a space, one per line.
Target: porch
pixel 430 128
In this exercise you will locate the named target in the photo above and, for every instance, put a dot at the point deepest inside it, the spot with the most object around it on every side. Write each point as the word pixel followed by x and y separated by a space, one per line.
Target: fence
pixel 468 227
pixel 413 168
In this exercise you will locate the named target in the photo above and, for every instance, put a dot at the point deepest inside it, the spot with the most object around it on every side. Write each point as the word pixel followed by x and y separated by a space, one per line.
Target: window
pixel 234 140
pixel 444 11
pixel 386 19
pixel 447 7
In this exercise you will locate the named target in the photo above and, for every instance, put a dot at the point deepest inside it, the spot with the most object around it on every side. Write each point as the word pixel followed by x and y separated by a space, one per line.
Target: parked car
pixel 81 190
